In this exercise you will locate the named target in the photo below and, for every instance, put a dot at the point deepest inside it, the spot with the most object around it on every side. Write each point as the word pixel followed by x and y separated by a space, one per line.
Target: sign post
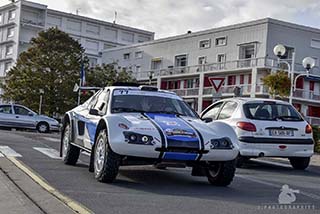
pixel 217 83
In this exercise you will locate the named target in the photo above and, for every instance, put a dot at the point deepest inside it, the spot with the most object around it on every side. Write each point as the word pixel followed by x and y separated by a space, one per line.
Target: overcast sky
pixel 172 17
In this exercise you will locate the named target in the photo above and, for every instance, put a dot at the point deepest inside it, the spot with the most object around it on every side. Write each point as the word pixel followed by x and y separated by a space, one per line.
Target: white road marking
pixel 8 152
pixel 52 153
pixel 272 163
pixel 51 139
pixel 278 186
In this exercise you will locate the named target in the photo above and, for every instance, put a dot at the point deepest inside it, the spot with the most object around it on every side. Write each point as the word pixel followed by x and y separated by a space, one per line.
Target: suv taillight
pixel 250 127
pixel 308 129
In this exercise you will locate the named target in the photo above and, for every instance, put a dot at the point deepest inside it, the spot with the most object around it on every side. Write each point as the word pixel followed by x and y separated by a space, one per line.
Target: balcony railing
pixel 306 94
pixel 245 89
pixel 186 92
pixel 32 23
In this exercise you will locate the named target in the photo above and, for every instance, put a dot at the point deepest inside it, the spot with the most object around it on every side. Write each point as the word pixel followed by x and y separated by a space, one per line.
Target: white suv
pixel 265 127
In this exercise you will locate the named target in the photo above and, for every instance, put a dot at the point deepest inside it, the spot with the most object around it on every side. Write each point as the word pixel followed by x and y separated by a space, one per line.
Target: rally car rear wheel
pixel 70 153
pixel 106 162
pixel 221 173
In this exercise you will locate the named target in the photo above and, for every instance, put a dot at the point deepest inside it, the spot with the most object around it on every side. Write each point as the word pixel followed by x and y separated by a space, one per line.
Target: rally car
pixel 126 125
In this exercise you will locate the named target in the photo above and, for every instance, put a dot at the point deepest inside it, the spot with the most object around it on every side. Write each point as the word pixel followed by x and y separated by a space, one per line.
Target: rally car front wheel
pixel 106 162
pixel 221 173
pixel 70 153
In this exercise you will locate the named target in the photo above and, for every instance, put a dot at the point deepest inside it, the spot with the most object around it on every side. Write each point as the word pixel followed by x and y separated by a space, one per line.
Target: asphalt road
pixel 144 189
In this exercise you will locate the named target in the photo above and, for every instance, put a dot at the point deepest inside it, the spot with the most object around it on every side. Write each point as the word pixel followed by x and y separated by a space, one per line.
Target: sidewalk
pixel 315 159
pixel 20 194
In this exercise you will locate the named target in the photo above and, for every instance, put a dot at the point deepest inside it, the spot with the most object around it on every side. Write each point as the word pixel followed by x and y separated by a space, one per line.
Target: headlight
pixel 222 143
pixel 136 138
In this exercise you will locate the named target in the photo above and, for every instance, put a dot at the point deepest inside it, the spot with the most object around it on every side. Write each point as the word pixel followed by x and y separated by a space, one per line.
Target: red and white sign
pixel 216 82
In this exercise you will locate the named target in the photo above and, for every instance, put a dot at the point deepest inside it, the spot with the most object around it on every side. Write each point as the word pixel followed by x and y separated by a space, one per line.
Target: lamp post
pixel 308 63
pixel 41 91
pixel 280 50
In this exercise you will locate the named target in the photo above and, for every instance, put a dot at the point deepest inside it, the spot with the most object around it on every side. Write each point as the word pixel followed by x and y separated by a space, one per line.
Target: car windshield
pixel 271 111
pixel 151 102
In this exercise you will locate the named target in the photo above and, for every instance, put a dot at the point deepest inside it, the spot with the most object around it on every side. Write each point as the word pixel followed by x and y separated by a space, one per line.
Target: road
pixel 144 189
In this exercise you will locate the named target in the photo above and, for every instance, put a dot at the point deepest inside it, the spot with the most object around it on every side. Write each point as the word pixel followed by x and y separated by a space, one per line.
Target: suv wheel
pixel 299 162
pixel 106 162
pixel 221 173
pixel 70 153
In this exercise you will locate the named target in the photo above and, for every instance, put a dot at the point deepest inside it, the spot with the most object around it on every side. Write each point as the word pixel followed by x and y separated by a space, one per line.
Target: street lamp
pixel 280 50
pixel 308 63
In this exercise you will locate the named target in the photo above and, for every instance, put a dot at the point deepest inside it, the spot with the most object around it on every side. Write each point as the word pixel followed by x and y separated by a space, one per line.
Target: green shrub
pixel 316 137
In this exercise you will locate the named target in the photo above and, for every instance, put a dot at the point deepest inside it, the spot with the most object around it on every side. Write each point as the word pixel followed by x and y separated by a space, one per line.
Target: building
pixel 240 54
pixel 22 20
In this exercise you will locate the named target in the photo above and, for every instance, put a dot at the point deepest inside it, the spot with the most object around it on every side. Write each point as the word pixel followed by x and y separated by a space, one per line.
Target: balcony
pixel 186 92
pixel 32 23
pixel 306 94
pixel 245 89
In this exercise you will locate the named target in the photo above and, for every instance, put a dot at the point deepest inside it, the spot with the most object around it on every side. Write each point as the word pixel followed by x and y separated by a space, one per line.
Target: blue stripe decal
pixel 176 130
pixel 89 125
pixel 179 156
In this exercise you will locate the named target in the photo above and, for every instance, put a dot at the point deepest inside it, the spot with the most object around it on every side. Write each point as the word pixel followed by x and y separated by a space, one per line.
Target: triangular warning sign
pixel 216 82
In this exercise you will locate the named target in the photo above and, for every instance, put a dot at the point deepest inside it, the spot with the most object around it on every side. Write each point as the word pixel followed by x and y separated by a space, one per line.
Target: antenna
pixel 115 17
pixel 77 11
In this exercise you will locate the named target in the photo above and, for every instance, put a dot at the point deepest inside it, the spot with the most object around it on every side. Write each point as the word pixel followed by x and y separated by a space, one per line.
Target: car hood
pixel 46 118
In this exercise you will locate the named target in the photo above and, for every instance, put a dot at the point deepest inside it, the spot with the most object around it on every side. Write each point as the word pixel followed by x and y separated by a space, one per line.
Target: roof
pixel 249 99
pixel 217 30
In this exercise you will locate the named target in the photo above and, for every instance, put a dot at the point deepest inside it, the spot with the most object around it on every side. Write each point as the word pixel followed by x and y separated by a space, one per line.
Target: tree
pixel 106 75
pixel 278 83
pixel 52 63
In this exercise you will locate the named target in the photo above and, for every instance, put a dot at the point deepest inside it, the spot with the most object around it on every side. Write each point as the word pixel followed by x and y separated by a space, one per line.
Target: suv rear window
pixel 271 111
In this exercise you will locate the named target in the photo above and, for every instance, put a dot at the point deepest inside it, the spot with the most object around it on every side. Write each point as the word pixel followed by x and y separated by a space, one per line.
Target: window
pixel 73 25
pixel 9 49
pixel 189 83
pixel 288 54
pixel 5 109
pixel 92 45
pixel 138 68
pixel 92 61
pixel 156 64
pixel 0 18
pixel 241 79
pixel 231 80
pixel 10 32
pixel 126 56
pixel 227 110
pixel 221 58
pixel 142 38
pixel 270 111
pixel 311 85
pixel 221 41
pixel 181 60
pixel 138 54
pixel 20 110
pixel 247 51
pixel 54 21
pixel 93 29
pixel 107 46
pixel 202 60
pixel 12 14
pixel 110 34
pixel 128 37
pixel 213 112
pixel 102 102
pixel 315 43
pixel 205 43
pixel 7 66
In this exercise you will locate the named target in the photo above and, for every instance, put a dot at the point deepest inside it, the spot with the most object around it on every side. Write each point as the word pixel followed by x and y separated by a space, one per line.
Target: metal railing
pixel 306 94
pixel 186 92
pixel 30 22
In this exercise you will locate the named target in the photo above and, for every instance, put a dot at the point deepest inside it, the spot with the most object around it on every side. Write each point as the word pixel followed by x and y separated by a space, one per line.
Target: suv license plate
pixel 281 132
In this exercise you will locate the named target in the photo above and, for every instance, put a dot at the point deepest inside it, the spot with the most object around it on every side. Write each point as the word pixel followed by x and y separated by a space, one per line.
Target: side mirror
pixel 207 120
pixel 30 114
pixel 94 112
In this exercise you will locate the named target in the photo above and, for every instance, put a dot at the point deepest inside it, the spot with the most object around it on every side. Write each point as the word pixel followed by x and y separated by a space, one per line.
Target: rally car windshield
pixel 149 102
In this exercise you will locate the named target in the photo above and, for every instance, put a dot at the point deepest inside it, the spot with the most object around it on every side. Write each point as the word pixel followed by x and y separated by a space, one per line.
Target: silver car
pixel 18 116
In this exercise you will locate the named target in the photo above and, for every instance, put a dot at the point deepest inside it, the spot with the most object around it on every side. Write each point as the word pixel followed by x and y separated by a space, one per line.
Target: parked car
pixel 18 116
pixel 123 125
pixel 265 128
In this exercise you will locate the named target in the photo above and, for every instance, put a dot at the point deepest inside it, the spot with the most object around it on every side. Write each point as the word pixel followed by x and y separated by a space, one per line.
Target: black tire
pixel 300 163
pixel 43 127
pixel 70 153
pixel 106 167
pixel 221 173
pixel 241 160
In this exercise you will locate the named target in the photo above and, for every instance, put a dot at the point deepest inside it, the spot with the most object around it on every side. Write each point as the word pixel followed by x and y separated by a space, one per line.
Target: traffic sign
pixel 216 82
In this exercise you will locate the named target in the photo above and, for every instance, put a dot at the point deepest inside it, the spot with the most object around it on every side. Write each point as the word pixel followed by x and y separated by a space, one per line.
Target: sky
pixel 173 17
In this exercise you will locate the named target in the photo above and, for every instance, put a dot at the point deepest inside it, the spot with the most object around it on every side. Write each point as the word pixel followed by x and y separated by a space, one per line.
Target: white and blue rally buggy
pixel 124 125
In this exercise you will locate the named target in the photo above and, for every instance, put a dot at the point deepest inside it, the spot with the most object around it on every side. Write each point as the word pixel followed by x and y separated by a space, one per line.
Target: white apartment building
pixel 239 54
pixel 22 20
